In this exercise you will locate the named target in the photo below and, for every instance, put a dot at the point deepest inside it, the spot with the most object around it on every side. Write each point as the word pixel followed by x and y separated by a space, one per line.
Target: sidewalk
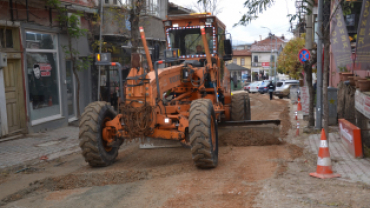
pixel 29 148
pixel 342 161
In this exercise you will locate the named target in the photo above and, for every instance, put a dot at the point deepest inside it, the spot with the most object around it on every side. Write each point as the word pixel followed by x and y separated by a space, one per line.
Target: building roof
pixel 242 53
pixel 174 9
pixel 265 45
pixel 235 67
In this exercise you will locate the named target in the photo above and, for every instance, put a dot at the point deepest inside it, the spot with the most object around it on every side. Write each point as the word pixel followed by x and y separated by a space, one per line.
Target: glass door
pixel 70 92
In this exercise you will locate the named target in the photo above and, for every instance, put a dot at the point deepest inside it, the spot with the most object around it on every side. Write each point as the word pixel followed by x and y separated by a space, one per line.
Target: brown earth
pixel 257 168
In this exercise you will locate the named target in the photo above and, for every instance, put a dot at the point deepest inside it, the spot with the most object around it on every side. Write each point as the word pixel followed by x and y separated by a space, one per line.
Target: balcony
pixel 256 64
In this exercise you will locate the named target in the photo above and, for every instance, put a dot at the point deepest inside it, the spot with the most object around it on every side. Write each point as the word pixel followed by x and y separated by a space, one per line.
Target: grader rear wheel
pixel 203 134
pixel 94 147
pixel 240 107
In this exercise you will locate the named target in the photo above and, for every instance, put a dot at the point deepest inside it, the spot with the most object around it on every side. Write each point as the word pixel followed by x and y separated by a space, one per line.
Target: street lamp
pixel 271 52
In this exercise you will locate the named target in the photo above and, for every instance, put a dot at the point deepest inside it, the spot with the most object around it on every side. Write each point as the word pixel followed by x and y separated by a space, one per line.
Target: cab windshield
pixel 189 40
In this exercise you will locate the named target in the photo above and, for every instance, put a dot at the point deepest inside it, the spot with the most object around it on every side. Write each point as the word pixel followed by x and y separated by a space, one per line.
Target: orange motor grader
pixel 184 97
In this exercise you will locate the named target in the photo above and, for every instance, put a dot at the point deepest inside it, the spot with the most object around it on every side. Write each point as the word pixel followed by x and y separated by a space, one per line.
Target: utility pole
pixel 100 43
pixel 270 34
pixel 275 58
pixel 319 66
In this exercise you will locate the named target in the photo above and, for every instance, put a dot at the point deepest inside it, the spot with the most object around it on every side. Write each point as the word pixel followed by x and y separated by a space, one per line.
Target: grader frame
pixel 201 99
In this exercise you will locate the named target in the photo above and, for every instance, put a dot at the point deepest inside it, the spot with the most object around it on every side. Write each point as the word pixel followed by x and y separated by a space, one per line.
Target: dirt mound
pixel 294 151
pixel 285 122
pixel 250 137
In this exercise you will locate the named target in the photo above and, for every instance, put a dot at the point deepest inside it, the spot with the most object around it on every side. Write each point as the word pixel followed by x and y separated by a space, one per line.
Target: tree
pixel 288 61
pixel 211 6
pixel 71 25
pixel 254 7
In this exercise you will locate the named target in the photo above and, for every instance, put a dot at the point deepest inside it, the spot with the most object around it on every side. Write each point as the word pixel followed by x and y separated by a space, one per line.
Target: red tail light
pixel 249 87
pixel 265 87
pixel 257 88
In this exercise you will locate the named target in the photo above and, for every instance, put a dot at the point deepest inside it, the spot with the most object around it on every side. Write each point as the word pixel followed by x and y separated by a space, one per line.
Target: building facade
pixel 38 85
pixel 264 54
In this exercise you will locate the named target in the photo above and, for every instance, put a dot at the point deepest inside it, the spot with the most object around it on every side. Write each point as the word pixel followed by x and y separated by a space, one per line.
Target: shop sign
pixel 340 44
pixel 363 39
pixel 42 69
pixel 265 64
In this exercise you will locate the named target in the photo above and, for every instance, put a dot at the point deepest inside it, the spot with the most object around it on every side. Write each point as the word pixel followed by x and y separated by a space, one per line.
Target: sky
pixel 274 18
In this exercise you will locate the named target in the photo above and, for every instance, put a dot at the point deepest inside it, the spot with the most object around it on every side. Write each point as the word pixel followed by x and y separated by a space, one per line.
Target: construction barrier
pixel 351 138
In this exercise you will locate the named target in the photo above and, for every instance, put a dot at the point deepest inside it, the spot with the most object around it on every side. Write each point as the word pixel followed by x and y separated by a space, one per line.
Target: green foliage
pixel 72 25
pixel 343 69
pixel 288 62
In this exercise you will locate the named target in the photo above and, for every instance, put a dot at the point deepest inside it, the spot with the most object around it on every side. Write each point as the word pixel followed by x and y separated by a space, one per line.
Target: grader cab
pixel 185 97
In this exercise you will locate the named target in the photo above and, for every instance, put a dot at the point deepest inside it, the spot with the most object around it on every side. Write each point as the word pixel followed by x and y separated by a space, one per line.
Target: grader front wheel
pixel 203 134
pixel 93 140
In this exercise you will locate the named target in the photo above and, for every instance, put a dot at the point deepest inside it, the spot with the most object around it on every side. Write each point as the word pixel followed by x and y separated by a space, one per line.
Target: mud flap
pixel 149 143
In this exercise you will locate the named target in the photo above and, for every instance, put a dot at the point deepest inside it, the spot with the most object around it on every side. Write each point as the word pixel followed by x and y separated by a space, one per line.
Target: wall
pixel 247 61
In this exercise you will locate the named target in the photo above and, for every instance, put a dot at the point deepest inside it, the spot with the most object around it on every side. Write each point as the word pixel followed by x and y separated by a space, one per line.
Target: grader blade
pixel 149 143
pixel 249 123
pixel 257 132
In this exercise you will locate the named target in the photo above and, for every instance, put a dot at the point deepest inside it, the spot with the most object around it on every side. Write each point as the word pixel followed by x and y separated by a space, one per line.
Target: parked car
pixel 263 87
pixel 247 86
pixel 283 88
pixel 254 88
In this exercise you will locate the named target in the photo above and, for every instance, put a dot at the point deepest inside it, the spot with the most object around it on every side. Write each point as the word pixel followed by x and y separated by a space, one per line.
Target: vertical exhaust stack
pixel 206 48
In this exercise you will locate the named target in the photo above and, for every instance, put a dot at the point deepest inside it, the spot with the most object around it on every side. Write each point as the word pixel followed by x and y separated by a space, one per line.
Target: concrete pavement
pixel 30 148
pixel 342 161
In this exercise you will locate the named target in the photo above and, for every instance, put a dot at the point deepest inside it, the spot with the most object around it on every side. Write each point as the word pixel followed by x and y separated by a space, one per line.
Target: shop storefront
pixel 49 81
pixel 42 68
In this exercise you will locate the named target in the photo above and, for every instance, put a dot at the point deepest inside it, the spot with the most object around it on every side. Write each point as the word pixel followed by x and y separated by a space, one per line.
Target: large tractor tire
pixel 240 107
pixel 94 147
pixel 203 134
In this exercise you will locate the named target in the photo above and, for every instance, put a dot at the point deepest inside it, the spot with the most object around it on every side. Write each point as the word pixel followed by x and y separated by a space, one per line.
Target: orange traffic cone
pixel 297 132
pixel 324 170
pixel 296 115
pixel 299 106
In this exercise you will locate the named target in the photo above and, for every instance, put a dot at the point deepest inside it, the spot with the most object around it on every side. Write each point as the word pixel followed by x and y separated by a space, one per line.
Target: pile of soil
pixel 250 137
pixel 285 122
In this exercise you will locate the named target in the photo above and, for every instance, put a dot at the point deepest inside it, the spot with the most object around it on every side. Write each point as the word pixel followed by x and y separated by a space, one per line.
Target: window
pixel 152 7
pixel 40 41
pixel 43 76
pixel 189 41
pixel 6 37
pixel 255 59
pixel 107 1
pixel 235 61
pixel 115 2
pixel 242 62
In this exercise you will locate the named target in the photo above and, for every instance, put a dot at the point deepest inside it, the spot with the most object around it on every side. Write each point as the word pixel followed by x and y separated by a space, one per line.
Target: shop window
pixel 6 37
pixel 43 76
pixel 40 41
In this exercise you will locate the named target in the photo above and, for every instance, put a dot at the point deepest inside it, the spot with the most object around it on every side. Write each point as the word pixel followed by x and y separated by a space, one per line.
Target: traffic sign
pixel 304 55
